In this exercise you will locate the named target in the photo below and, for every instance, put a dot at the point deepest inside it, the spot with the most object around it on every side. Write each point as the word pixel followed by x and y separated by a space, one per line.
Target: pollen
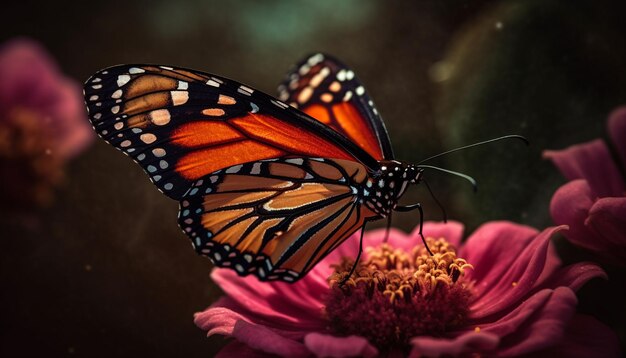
pixel 396 295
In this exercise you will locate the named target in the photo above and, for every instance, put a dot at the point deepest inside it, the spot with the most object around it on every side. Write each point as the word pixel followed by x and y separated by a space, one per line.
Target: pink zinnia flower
pixel 593 203
pixel 516 299
pixel 42 123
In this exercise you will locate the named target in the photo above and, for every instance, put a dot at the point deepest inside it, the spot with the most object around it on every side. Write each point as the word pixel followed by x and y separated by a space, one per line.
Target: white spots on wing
pixel 158 152
pixel 115 109
pixel 304 69
pixel 179 97
pixel 141 157
pixel 392 185
pixel 217 256
pixel 360 90
pixel 160 117
pixel 99 104
pixel 93 98
pixel 96 86
pixel 308 176
pixel 151 168
pixel 381 183
pixel 341 75
pixel 122 80
pixel 335 86
pixel 136 70
pixel 305 94
pixel 239 268
pixel 279 104
pixel 212 83
pixel 349 75
pixel 163 164
pixel 167 68
pixel 261 272
pixel 326 97
pixel 256 169
pixel 148 138
pixel 255 108
pixel 96 80
pixel 213 179
pixel 182 85
pixel 125 144
pixel 118 125
pixel 354 190
pixel 97 116
pixel 117 94
pixel 296 161
pixel 168 186
pixel 233 169
pixel 247 257
pixel 347 96
pixel 245 90
pixel 136 130
pixel 315 59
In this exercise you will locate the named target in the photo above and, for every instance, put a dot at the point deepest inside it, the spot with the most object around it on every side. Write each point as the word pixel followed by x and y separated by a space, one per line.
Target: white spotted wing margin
pixel 274 218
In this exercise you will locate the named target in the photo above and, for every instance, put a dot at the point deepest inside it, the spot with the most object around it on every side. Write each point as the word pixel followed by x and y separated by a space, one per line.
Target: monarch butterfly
pixel 266 186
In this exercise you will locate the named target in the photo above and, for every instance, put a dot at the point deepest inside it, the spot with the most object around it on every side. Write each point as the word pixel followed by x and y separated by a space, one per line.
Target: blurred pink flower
pixel 516 300
pixel 593 203
pixel 42 123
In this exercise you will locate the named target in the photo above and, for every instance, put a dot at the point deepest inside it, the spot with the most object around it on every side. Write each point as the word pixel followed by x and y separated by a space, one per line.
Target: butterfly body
pixel 266 186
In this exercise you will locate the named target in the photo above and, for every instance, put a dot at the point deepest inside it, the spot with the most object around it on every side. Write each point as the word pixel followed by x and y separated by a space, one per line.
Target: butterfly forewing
pixel 329 91
pixel 274 218
pixel 181 125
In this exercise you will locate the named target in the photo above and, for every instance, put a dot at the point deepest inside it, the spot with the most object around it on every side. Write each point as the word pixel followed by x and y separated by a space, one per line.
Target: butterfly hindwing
pixel 329 91
pixel 274 218
pixel 181 125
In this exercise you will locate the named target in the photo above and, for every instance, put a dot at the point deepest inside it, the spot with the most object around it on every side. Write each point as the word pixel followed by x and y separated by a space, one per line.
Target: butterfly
pixel 267 186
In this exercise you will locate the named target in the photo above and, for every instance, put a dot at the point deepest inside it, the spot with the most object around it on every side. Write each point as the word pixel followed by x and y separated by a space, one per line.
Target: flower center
pixel 394 295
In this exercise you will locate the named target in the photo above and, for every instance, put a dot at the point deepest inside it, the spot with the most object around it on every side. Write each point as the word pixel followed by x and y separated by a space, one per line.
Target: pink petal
pixel 576 275
pixel 510 281
pixel 263 339
pixel 464 343
pixel 541 328
pixel 607 218
pixel 590 161
pixel 324 345
pixel 217 319
pixel 586 337
pixel 617 131
pixel 274 302
pixel 570 206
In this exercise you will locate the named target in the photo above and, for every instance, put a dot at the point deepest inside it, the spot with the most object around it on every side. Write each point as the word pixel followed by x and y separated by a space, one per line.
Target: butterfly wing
pixel 274 218
pixel 327 90
pixel 181 125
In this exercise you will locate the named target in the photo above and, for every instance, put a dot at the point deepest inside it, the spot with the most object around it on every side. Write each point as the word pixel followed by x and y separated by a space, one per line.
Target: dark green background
pixel 106 272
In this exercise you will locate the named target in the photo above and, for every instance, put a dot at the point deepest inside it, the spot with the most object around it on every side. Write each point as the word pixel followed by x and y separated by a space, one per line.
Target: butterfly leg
pixel 388 228
pixel 417 206
pixel 356 262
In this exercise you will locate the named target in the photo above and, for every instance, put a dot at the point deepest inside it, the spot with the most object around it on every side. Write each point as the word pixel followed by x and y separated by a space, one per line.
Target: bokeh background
pixel 104 270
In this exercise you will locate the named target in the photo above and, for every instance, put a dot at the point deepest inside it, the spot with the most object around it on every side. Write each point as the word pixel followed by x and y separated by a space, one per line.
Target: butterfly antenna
pixel 443 210
pixel 464 176
pixel 511 136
